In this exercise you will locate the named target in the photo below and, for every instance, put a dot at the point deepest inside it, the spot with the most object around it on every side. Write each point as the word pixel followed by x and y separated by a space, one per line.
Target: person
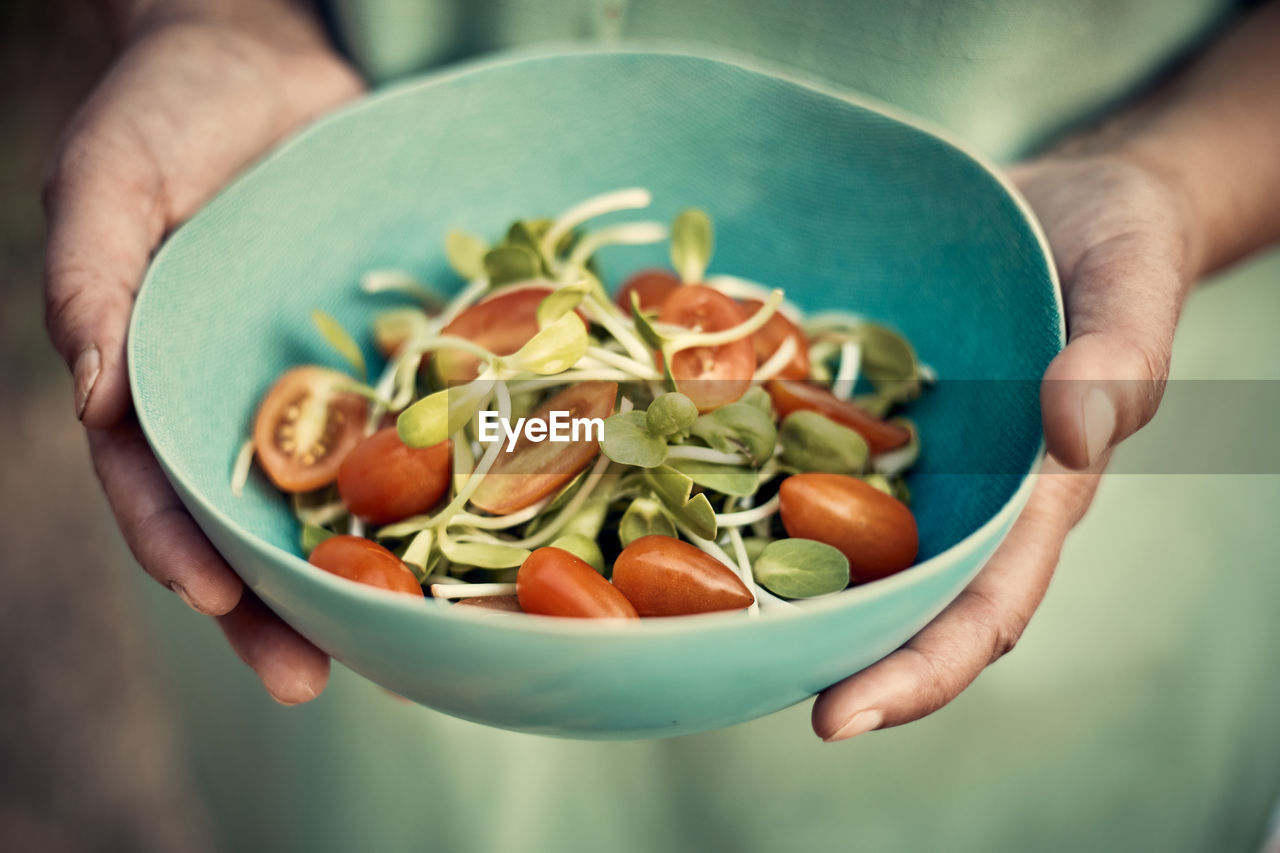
pixel 1136 209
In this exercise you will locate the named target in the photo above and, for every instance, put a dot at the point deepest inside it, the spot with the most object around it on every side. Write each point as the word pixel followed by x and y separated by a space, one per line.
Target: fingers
pixel 980 626
pixel 292 670
pixel 156 526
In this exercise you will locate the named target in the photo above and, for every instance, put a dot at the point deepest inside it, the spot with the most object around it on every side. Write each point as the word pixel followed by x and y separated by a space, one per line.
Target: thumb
pixel 1122 301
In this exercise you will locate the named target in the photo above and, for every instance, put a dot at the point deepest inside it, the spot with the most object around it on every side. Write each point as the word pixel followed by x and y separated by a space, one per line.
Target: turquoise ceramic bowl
pixel 819 193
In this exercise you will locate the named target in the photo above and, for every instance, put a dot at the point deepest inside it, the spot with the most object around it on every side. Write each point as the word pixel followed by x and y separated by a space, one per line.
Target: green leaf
pixel 758 398
pixel 436 417
pixel 812 442
pixel 644 326
pixel 726 479
pixel 889 362
pixel 879 481
pixel 465 253
pixel 801 568
pixel 312 535
pixel 420 555
pixel 675 489
pixel 628 441
pixel 397 326
pixel 738 428
pixel 589 519
pixel 645 517
pixel 509 264
pixel 582 547
pixel 692 242
pixel 670 414
pixel 560 302
pixel 483 555
pixel 338 338
pixel 554 349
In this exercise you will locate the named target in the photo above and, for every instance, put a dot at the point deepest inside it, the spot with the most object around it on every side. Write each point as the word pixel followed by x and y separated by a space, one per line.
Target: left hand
pixel 1119 235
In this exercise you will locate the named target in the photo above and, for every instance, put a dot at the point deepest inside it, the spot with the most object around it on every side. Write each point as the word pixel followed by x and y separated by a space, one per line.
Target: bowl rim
pixel 847 599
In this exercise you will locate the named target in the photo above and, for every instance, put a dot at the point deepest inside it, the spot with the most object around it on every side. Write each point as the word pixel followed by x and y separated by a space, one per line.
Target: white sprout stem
pixel 400 281
pixel 600 312
pixel 705 454
pixel 240 468
pixel 744 570
pixel 926 373
pixel 714 339
pixel 355 527
pixel 633 198
pixel 627 234
pixel 419 549
pixel 471 590
pixel 469 294
pixel 893 462
pixel 745 517
pixel 781 356
pixel 322 515
pixel 744 288
pixel 502 522
pixel 524 387
pixel 642 369
pixel 438 342
pixel 833 320
pixel 847 373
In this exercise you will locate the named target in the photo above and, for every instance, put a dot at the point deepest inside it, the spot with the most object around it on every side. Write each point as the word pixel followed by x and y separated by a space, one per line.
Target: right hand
pixel 192 99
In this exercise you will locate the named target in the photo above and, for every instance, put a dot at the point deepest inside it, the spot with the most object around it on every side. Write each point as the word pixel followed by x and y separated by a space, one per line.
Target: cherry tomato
pixel 791 397
pixel 663 576
pixel 501 603
pixel 382 480
pixel 710 376
pixel 366 562
pixel 533 470
pixel 652 286
pixel 554 582
pixel 502 324
pixel 875 531
pixel 304 428
pixel 770 337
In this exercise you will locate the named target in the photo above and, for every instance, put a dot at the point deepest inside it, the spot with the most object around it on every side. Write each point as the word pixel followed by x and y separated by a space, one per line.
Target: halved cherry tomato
pixel 554 582
pixel 875 531
pixel 710 376
pixel 663 576
pixel 502 324
pixel 652 286
pixel 791 397
pixel 501 603
pixel 382 480
pixel 366 562
pixel 304 428
pixel 533 470
pixel 770 336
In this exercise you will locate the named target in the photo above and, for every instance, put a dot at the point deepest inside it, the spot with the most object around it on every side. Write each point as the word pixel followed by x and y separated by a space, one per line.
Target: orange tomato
pixel 553 582
pixel 710 376
pixel 382 480
pixel 366 562
pixel 791 397
pixel 875 531
pixel 652 286
pixel 663 576
pixel 305 428
pixel 770 336
pixel 533 470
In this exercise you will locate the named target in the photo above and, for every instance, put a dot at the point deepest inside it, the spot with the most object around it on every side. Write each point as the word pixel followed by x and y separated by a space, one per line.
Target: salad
pixel 692 443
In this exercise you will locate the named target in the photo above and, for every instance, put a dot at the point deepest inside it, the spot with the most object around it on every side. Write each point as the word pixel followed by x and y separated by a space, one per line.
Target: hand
pixel 192 99
pixel 1118 234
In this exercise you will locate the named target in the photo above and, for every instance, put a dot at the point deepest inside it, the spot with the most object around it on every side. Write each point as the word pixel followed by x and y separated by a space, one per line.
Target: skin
pixel 1136 211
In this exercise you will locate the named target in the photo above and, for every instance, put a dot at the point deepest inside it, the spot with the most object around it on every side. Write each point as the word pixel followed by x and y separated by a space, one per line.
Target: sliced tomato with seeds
pixel 535 469
pixel 363 561
pixel 651 286
pixel 791 397
pixel 305 428
pixel 716 375
pixel 383 480
pixel 771 336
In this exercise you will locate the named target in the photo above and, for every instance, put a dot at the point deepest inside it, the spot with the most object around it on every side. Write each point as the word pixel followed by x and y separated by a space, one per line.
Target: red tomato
pixel 554 582
pixel 875 531
pixel 382 480
pixel 533 470
pixel 362 561
pixel 502 324
pixel 304 428
pixel 710 376
pixel 770 337
pixel 791 397
pixel 502 603
pixel 663 576
pixel 652 286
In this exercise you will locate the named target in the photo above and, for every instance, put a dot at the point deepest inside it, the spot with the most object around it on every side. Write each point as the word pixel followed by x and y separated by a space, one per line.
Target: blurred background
pixel 1139 713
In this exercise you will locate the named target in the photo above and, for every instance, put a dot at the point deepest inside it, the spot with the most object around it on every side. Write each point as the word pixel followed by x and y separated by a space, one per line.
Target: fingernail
pixel 183 594
pixel 88 366
pixel 1099 423
pixel 863 721
pixel 302 692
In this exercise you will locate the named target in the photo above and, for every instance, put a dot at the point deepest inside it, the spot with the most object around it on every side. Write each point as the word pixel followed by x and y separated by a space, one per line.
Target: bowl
pixel 825 194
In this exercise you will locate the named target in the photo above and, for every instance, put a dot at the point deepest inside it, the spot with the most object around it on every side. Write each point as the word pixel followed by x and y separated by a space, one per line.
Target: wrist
pixel 288 20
